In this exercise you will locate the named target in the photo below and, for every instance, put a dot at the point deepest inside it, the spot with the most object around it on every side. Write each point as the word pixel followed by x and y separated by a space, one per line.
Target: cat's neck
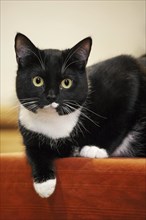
pixel 48 122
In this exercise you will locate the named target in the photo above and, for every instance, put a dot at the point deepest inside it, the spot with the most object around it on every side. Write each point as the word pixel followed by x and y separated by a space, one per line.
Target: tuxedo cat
pixel 68 110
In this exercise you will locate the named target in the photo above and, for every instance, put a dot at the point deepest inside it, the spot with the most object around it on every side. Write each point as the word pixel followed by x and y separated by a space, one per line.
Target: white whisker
pixel 42 62
pixel 77 61
pixel 83 107
pixel 29 103
pixel 14 107
pixel 27 99
pixel 39 58
pixel 70 54
pixel 79 124
pixel 84 115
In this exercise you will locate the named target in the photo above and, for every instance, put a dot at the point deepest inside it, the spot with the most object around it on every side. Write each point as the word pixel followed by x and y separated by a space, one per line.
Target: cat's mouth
pixel 61 109
pixel 53 105
pixel 49 108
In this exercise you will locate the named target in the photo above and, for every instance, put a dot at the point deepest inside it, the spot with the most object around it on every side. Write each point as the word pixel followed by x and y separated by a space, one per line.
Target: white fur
pixel 124 147
pixel 93 152
pixel 53 105
pixel 47 121
pixel 46 188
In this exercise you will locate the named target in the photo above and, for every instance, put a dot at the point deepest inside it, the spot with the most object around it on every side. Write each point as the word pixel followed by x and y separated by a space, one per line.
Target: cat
pixel 70 110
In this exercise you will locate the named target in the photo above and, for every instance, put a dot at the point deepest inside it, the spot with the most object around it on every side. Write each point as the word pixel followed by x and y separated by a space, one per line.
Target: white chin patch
pixel 45 189
pixel 93 152
pixel 53 105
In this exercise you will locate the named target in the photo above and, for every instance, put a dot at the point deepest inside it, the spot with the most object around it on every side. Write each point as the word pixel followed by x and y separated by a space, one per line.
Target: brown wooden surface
pixel 87 189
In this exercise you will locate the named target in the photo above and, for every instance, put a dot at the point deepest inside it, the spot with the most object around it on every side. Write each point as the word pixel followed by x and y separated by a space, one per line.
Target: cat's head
pixel 51 78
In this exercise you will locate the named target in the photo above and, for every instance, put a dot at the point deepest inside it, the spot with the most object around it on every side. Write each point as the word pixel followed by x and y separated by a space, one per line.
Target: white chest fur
pixel 48 122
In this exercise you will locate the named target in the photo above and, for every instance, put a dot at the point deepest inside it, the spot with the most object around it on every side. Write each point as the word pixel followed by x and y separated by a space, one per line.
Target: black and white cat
pixel 67 109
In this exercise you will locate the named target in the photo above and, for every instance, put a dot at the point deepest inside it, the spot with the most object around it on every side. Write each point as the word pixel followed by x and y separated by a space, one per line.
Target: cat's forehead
pixel 53 56
pixel 53 60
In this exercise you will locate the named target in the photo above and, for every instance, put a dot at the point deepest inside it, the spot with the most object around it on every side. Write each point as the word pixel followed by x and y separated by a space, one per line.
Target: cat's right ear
pixel 23 47
pixel 80 52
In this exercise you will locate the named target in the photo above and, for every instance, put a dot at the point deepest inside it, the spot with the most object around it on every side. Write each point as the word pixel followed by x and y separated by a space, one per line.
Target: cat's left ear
pixel 81 51
pixel 23 47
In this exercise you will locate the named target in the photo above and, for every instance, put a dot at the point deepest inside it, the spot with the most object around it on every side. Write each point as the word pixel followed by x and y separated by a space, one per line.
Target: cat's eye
pixel 38 81
pixel 66 83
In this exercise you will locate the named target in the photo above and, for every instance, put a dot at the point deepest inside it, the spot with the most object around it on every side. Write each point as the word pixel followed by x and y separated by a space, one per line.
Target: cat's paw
pixel 45 189
pixel 93 152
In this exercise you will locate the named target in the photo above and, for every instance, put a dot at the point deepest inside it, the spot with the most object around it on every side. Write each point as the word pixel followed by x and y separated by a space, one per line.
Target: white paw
pixel 45 189
pixel 93 152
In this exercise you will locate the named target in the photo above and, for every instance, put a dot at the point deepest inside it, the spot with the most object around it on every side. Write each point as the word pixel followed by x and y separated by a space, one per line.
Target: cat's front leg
pixel 93 152
pixel 45 188
pixel 43 172
pixel 44 182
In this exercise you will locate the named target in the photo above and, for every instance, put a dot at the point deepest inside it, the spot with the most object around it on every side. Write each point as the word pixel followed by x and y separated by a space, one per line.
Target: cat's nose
pixel 51 95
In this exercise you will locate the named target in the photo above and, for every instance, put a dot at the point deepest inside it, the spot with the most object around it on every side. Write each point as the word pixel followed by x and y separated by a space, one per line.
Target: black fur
pixel 112 94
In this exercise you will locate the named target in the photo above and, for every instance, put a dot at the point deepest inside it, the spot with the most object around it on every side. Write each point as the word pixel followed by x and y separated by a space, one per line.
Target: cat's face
pixel 51 78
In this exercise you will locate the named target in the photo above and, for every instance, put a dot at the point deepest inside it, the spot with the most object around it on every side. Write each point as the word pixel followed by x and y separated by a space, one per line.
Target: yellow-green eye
pixel 38 81
pixel 66 83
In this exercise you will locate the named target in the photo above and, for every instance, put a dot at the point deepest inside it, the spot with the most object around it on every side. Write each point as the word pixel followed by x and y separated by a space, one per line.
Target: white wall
pixel 115 26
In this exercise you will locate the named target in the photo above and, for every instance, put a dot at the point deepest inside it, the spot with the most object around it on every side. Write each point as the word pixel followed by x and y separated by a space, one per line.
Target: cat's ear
pixel 81 51
pixel 23 47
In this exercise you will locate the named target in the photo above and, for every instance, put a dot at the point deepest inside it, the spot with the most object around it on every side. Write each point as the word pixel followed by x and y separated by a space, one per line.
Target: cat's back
pixel 117 84
pixel 119 66
pixel 119 75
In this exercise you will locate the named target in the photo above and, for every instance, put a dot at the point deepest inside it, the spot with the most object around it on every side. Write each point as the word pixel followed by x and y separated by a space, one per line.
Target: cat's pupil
pixel 38 80
pixel 66 82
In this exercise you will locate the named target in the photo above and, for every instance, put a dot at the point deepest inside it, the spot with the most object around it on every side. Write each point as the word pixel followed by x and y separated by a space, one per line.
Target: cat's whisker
pixel 66 60
pixel 84 115
pixel 42 60
pixel 77 61
pixel 79 123
pixel 83 107
pixel 29 99
pixel 14 108
pixel 10 115
pixel 33 107
pixel 29 103
pixel 82 125
pixel 39 58
pixel 45 57
pixel 70 54
pixel 94 113
pixel 66 109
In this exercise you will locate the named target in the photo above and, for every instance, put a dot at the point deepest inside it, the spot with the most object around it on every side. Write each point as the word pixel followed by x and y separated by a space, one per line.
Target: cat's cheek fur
pixel 45 189
pixel 93 152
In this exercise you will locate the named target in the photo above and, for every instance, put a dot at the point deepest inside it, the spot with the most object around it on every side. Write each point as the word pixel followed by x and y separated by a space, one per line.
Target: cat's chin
pixel 51 108
pixel 53 105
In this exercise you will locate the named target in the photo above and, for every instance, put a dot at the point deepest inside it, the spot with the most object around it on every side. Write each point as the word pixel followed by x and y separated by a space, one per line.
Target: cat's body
pixel 96 112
